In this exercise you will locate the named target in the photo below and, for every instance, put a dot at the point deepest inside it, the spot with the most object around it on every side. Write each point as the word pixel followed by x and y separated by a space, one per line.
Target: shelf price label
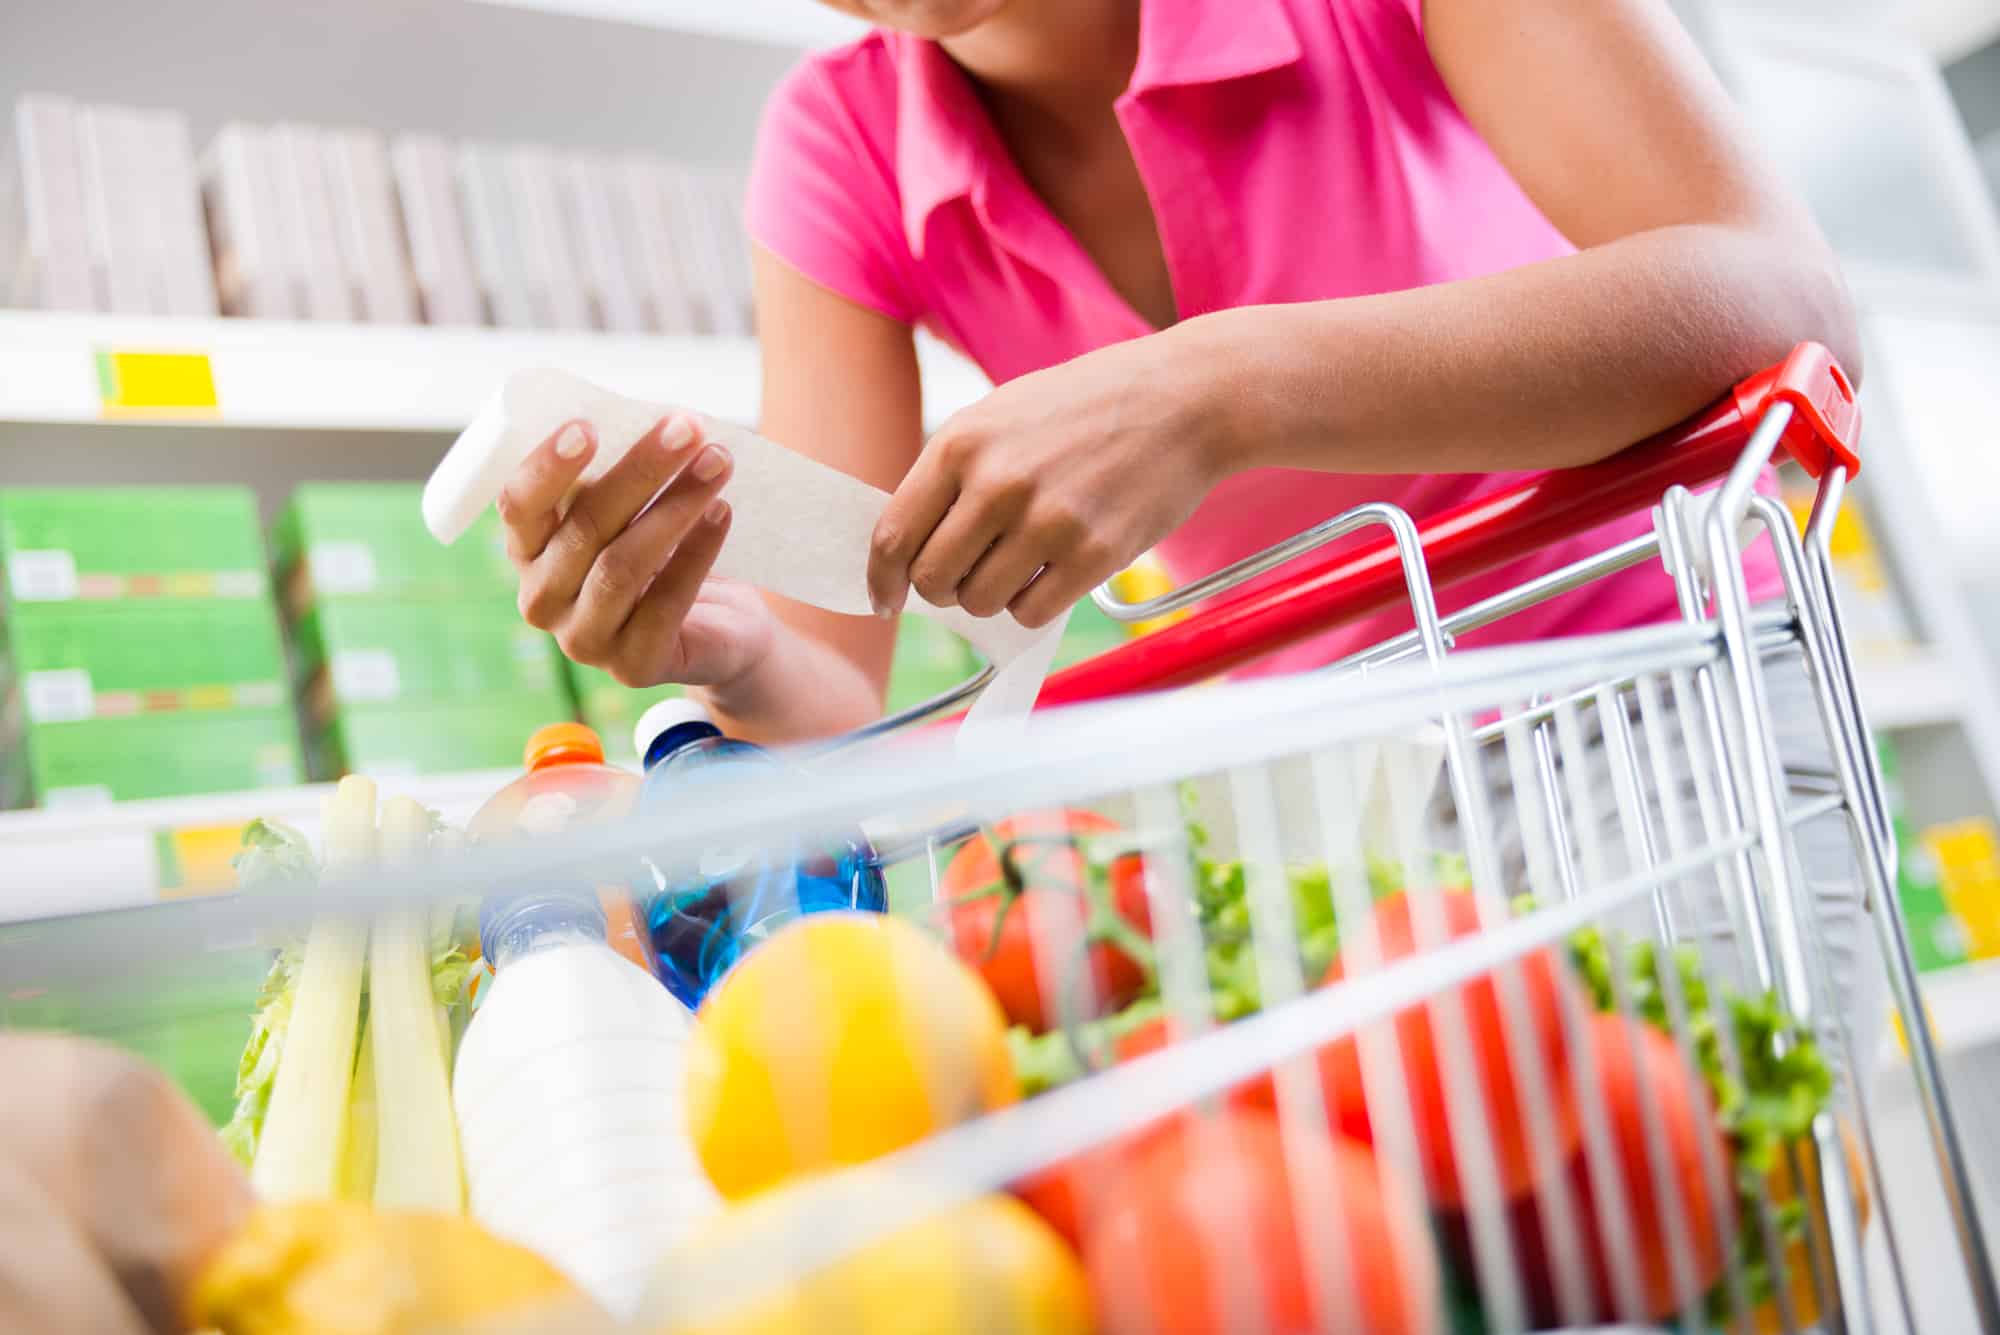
pixel 155 384
pixel 195 860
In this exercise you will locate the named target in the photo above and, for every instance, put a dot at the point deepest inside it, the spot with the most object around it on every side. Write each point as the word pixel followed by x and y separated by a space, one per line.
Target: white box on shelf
pixel 598 222
pixel 252 274
pixel 493 228
pixel 188 267
pixel 691 202
pixel 111 209
pixel 643 196
pixel 370 236
pixel 555 279
pixel 434 224
pixel 307 202
pixel 49 162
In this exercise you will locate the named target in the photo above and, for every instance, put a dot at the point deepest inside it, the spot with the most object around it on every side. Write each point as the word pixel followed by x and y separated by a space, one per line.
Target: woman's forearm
pixel 1548 366
pixel 803 689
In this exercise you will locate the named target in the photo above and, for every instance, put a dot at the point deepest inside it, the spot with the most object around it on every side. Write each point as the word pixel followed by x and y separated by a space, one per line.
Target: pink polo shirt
pixel 1293 150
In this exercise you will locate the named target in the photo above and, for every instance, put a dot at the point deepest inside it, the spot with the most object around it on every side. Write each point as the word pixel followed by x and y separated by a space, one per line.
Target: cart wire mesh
pixel 1501 989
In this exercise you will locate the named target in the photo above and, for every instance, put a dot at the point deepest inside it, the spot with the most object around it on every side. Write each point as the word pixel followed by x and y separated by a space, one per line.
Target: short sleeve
pixel 819 200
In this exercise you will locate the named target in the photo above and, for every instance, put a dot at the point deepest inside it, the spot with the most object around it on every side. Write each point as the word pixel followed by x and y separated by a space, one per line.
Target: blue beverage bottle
pixel 701 922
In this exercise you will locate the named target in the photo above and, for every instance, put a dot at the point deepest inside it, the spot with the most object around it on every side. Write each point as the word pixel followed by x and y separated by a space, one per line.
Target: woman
pixel 1236 266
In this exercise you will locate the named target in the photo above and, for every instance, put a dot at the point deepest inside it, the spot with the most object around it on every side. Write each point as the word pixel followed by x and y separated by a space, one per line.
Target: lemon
pixel 845 1036
pixel 990 1264
pixel 340 1268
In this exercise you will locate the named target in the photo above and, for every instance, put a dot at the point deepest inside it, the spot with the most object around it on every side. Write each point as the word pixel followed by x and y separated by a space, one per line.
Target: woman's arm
pixel 840 384
pixel 1695 268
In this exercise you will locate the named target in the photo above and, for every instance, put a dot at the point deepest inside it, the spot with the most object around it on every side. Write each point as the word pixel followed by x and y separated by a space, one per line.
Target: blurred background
pixel 275 255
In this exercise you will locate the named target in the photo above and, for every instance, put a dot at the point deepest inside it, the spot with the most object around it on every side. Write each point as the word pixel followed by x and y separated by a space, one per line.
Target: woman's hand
pixel 114 1190
pixel 1053 483
pixel 620 574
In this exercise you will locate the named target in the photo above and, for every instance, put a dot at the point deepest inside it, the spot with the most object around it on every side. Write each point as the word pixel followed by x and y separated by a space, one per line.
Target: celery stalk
pixel 357 1162
pixel 416 1163
pixel 299 1154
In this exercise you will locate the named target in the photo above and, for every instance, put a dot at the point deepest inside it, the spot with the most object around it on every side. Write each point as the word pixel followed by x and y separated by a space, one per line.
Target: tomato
pixel 1544 978
pixel 1199 1234
pixel 1685 1117
pixel 1157 1033
pixel 1029 955
pixel 988 1264
pixel 844 1036
pixel 1066 1193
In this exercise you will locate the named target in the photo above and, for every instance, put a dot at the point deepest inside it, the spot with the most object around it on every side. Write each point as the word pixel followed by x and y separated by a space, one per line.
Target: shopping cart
pixel 1535 870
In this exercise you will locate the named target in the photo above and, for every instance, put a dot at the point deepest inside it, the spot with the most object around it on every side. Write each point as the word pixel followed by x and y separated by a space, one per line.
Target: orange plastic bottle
pixel 568 785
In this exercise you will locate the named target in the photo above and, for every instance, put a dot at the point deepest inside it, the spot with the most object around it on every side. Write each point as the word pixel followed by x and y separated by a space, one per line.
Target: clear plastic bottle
pixel 700 924
pixel 568 1090
pixel 568 785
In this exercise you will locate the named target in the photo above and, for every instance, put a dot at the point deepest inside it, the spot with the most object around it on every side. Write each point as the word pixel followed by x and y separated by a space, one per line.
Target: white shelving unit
pixel 1851 106
pixel 349 377
pixel 115 856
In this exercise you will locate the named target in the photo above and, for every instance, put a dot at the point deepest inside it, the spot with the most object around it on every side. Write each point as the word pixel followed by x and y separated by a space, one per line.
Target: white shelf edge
pixel 1918 690
pixel 92 858
pixel 280 375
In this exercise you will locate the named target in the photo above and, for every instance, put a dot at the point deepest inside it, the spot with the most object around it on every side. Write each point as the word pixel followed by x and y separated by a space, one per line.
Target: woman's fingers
pixel 646 647
pixel 597 517
pixel 529 503
pixel 1053 592
pixel 624 570
pixel 906 525
pixel 965 534
pixel 1000 575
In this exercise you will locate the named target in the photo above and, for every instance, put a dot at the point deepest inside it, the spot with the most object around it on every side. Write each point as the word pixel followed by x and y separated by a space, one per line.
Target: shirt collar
pixel 945 144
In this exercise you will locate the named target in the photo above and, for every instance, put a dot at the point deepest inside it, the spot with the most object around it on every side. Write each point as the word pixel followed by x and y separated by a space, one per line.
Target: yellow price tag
pixel 156 384
pixel 194 860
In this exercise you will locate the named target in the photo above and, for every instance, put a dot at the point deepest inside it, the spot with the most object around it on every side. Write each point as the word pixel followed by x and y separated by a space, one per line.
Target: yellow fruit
pixel 340 1268
pixel 990 1264
pixel 845 1036
pixel 1766 1319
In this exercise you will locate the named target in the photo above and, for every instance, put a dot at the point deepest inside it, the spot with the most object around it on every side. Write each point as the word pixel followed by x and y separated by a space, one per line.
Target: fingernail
pixel 677 433
pixel 709 465
pixel 572 441
pixel 717 511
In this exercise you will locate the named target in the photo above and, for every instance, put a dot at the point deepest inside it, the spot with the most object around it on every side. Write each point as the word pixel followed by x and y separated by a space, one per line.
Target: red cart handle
pixel 1482 534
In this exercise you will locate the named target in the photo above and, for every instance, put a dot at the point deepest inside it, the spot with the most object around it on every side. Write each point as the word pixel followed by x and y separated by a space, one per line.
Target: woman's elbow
pixel 1819 307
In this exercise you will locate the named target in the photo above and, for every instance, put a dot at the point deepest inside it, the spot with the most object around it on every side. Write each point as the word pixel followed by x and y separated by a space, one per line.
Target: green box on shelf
pixel 355 652
pixel 59 544
pixel 613 710
pixel 83 660
pixel 368 540
pixel 435 736
pixel 161 755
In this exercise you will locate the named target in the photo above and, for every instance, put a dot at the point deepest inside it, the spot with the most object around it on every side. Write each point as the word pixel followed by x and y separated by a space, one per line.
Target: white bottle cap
pixel 664 715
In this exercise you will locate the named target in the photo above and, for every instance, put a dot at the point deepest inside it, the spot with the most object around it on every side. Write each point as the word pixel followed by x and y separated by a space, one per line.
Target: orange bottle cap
pixel 563 744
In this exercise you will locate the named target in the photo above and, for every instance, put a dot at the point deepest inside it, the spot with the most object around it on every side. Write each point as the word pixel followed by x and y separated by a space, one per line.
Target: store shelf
pixel 1920 690
pixel 791 23
pixel 289 376
pixel 85 859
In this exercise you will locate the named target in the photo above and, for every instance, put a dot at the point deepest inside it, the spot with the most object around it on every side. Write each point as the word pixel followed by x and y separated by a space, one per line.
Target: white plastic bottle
pixel 568 1091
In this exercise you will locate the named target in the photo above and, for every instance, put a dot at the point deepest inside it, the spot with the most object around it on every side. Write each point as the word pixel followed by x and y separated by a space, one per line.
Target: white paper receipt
pixel 799 528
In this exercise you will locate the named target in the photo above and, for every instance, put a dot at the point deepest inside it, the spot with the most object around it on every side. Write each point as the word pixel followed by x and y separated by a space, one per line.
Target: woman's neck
pixel 1052 67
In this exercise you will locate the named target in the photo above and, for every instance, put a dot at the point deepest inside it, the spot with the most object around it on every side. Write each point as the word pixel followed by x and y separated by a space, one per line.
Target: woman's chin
pixel 922 18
